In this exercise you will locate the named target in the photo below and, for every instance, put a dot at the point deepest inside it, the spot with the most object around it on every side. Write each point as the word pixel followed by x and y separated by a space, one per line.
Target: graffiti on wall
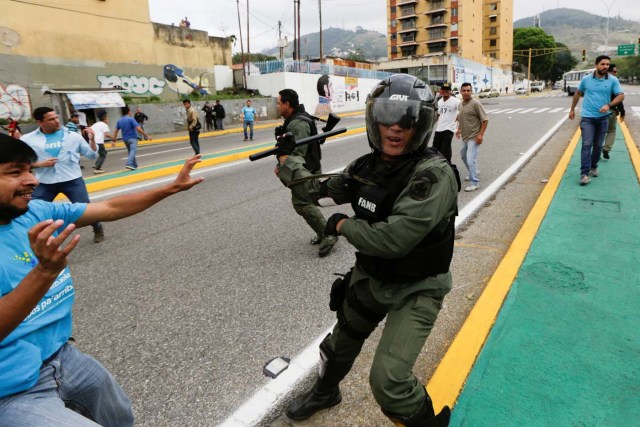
pixel 179 82
pixel 138 85
pixel 351 92
pixel 14 102
pixel 325 90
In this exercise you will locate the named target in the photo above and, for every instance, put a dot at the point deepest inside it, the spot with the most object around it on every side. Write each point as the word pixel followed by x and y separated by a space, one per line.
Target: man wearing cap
pixel 446 121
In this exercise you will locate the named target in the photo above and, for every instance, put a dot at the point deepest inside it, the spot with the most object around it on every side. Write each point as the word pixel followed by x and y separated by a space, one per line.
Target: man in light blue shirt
pixel 58 165
pixel 248 117
pixel 598 89
pixel 45 381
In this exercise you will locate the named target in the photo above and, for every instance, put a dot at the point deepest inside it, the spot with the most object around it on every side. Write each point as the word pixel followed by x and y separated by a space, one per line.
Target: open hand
pixel 48 248
pixel 184 181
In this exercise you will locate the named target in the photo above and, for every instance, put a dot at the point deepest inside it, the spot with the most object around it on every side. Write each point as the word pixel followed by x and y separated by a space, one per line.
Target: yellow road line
pixel 632 147
pixel 452 372
pixel 171 170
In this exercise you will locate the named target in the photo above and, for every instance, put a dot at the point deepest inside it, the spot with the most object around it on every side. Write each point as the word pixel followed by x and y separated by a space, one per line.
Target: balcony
pixel 409 29
pixel 401 2
pixel 436 7
pixel 407 14
pixel 442 40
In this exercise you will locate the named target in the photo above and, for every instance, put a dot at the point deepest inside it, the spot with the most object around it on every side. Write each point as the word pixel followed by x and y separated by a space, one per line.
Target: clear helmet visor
pixel 406 113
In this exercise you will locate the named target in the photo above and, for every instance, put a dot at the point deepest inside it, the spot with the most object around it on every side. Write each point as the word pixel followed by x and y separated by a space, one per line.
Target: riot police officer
pixel 404 196
pixel 301 125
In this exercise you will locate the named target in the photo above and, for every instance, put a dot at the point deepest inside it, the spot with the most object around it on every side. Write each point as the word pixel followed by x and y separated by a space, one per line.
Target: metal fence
pixel 291 66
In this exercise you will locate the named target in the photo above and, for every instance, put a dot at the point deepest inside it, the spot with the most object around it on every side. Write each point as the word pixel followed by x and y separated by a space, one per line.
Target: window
pixel 493 6
pixel 493 31
pixel 492 43
pixel 393 36
pixel 394 23
pixel 454 42
pixel 393 9
pixel 493 18
pixel 454 11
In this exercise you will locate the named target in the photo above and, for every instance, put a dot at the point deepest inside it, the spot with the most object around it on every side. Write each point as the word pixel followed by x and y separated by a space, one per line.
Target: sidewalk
pixel 564 349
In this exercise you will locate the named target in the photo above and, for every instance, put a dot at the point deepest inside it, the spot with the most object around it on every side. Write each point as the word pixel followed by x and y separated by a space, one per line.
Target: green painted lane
pixel 565 348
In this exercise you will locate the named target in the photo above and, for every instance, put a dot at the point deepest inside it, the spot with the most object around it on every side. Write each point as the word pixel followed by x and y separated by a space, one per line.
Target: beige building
pixel 101 44
pixel 433 32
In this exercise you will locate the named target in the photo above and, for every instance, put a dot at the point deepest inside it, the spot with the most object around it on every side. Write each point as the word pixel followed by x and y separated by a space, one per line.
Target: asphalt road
pixel 186 302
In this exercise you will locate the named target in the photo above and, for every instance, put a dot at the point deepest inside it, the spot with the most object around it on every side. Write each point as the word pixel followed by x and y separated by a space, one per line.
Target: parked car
pixel 559 85
pixel 521 91
pixel 489 93
pixel 537 86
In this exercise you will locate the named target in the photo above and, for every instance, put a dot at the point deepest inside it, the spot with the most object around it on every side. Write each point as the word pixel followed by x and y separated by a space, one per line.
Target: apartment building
pixel 433 30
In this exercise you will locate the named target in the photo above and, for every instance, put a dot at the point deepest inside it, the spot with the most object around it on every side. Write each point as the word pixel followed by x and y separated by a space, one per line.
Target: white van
pixel 537 86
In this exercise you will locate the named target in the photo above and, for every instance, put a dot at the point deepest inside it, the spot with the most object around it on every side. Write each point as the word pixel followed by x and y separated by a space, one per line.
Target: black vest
pixel 313 156
pixel 373 194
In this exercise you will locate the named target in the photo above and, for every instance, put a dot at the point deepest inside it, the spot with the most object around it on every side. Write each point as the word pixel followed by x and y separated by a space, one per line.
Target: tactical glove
pixel 286 144
pixel 330 229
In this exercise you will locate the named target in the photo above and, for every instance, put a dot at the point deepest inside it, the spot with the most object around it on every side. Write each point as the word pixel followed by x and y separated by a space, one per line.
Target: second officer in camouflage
pixel 405 201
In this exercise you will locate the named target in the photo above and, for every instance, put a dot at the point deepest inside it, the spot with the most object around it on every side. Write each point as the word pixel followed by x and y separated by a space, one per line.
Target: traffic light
pixel 584 54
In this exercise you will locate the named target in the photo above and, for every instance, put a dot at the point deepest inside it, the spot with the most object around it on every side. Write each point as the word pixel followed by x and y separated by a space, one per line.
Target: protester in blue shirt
pixel 45 381
pixel 130 129
pixel 58 166
pixel 597 89
pixel 248 117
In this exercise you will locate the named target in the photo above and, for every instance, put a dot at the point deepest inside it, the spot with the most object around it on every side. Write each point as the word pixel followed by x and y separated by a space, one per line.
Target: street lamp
pixel 605 38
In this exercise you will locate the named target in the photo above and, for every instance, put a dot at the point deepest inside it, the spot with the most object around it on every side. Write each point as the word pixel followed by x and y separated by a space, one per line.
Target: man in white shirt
pixel 447 121
pixel 101 129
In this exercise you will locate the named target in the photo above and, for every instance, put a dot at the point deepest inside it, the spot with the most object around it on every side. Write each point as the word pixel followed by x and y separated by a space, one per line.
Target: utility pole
pixel 321 44
pixel 244 71
pixel 295 30
pixel 248 51
pixel 529 73
pixel 299 32
pixel 280 47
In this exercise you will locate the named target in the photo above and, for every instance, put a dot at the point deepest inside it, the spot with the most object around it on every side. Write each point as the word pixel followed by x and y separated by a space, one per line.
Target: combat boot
pixel 326 244
pixel 425 416
pixel 313 401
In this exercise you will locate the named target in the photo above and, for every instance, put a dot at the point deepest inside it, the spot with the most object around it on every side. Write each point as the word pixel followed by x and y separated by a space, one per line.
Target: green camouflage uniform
pixel 410 308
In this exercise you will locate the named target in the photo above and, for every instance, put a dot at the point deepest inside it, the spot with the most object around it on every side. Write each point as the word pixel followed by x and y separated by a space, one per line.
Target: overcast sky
pixel 220 17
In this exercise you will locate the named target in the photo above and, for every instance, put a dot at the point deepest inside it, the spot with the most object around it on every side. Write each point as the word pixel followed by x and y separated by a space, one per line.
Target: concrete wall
pixel 111 31
pixel 171 117
pixel 345 93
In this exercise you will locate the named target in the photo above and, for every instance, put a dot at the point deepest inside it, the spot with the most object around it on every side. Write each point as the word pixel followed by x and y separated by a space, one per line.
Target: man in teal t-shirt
pixel 248 117
pixel 44 381
pixel 598 88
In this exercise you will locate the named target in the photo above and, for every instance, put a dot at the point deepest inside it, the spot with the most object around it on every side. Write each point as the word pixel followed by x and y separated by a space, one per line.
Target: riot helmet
pixel 404 100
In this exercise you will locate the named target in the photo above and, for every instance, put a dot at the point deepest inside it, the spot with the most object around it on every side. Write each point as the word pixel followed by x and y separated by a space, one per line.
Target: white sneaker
pixel 472 187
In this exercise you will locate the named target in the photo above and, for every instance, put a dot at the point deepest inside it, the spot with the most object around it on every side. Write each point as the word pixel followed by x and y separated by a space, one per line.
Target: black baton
pixel 319 137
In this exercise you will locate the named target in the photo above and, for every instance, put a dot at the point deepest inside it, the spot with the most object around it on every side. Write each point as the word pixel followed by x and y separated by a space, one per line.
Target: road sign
pixel 626 49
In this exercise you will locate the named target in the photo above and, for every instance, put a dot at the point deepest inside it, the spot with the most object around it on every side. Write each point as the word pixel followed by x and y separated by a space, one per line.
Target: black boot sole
pixel 328 405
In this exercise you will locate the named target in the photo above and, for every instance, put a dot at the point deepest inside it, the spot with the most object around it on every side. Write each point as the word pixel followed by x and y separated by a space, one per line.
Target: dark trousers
pixel 75 190
pixel 209 120
pixel 442 143
pixel 193 140
pixel 102 155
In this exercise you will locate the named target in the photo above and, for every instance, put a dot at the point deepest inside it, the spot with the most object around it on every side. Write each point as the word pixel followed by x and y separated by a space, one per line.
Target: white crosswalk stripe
pixel 536 110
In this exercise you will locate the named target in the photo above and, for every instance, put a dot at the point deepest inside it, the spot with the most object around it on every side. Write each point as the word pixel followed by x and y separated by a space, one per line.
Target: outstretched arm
pixel 131 204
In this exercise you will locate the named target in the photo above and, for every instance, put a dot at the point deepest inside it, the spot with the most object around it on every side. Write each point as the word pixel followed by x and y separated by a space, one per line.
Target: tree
pixel 534 38
pixel 628 66
pixel 254 57
pixel 565 61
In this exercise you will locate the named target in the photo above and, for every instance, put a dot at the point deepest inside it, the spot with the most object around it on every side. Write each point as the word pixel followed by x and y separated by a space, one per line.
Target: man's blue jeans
pixel 75 190
pixel 244 128
pixel 132 147
pixel 91 395
pixel 469 154
pixel 593 131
